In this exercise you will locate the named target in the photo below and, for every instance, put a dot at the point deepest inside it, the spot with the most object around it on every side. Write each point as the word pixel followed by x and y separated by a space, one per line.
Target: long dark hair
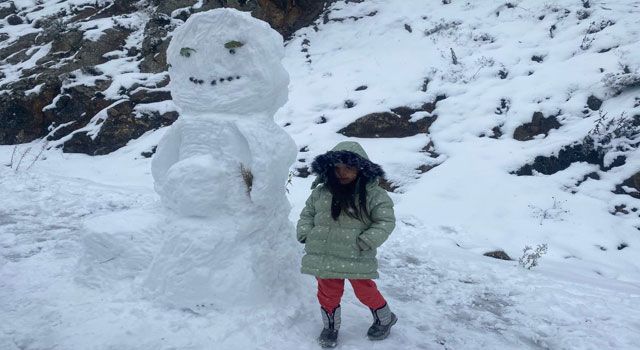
pixel 344 197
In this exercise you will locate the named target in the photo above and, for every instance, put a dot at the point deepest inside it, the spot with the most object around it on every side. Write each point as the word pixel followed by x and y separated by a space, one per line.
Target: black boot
pixel 329 336
pixel 383 319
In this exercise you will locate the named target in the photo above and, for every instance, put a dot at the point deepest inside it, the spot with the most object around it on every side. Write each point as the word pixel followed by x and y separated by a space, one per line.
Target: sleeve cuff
pixel 362 244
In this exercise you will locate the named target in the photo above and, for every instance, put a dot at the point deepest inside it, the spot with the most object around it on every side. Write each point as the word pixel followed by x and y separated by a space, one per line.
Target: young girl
pixel 344 220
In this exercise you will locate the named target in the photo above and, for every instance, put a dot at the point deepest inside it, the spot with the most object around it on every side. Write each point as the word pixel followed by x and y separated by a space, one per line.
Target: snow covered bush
pixel 619 82
pixel 554 212
pixel 530 256
pixel 613 137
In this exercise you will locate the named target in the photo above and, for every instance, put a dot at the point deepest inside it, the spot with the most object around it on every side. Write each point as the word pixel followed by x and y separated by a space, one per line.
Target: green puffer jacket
pixel 345 248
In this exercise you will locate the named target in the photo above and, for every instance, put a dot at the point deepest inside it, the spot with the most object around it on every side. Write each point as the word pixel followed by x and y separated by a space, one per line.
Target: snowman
pixel 222 166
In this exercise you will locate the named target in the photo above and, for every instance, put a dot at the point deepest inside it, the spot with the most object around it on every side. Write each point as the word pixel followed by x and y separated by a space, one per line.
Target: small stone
pixel 498 254
pixel 537 58
pixel 14 20
pixel 594 103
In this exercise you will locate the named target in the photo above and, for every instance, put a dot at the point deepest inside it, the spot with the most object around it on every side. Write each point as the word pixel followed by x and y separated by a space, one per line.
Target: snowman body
pixel 221 168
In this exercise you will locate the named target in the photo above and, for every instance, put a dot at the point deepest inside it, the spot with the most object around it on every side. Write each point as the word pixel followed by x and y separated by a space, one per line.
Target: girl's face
pixel 345 174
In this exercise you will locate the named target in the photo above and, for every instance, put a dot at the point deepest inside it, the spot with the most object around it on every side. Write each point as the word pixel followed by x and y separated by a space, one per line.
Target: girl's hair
pixel 344 197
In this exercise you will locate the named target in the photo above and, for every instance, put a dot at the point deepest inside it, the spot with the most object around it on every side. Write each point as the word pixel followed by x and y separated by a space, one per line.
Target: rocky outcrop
pixel 579 152
pixel 397 123
pixel 67 86
pixel 120 126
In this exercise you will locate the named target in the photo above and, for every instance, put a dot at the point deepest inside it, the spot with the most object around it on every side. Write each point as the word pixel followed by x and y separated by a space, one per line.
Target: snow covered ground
pixel 584 294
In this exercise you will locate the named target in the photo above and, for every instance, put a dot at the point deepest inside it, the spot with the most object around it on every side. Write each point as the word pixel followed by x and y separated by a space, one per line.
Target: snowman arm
pixel 167 154
pixel 272 152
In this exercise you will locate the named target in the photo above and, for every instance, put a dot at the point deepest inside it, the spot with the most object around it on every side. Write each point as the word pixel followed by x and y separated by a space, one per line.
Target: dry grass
pixel 247 176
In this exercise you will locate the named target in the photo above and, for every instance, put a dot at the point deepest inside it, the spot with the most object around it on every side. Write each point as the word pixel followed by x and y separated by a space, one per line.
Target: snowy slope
pixel 583 295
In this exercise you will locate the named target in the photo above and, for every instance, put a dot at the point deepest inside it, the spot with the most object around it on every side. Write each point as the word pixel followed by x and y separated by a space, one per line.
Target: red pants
pixel 330 292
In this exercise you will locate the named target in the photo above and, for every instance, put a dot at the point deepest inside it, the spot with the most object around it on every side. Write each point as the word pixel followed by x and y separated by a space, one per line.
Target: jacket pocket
pixel 313 244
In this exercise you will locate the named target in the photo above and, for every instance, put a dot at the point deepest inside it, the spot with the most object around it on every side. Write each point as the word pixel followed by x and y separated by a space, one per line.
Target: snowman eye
pixel 232 45
pixel 186 51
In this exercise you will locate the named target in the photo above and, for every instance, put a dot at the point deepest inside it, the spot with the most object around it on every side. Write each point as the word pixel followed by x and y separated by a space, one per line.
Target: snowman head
pixel 225 61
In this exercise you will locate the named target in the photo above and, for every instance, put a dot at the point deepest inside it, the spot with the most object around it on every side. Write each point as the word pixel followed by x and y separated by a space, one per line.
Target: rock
pixel 396 123
pixel 69 42
pixel 594 103
pixel 579 152
pixel 497 132
pixel 155 43
pixel 20 56
pixel 632 182
pixel 424 168
pixel 120 126
pixel 303 172
pixel 386 124
pixel 537 58
pixel 498 254
pixel 168 6
pixel 150 96
pixel 22 44
pixel 288 16
pixel 7 9
pixel 14 20
pixel 115 8
pixel 78 105
pixel 84 13
pixel 538 125
pixel 149 154
pixel 92 53
pixel 22 117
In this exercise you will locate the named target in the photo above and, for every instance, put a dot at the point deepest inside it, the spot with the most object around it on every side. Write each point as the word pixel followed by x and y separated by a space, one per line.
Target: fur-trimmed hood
pixel 349 153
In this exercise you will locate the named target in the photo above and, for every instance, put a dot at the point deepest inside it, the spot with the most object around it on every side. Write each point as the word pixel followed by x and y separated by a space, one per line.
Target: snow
pixel 584 293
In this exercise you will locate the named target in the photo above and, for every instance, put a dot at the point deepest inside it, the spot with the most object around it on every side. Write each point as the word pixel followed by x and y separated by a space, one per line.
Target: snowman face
pixel 225 61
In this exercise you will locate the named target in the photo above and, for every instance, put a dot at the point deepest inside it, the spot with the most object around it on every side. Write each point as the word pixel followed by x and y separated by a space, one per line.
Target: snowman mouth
pixel 216 81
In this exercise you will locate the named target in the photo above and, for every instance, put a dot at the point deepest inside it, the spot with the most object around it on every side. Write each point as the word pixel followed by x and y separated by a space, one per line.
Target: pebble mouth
pixel 214 81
